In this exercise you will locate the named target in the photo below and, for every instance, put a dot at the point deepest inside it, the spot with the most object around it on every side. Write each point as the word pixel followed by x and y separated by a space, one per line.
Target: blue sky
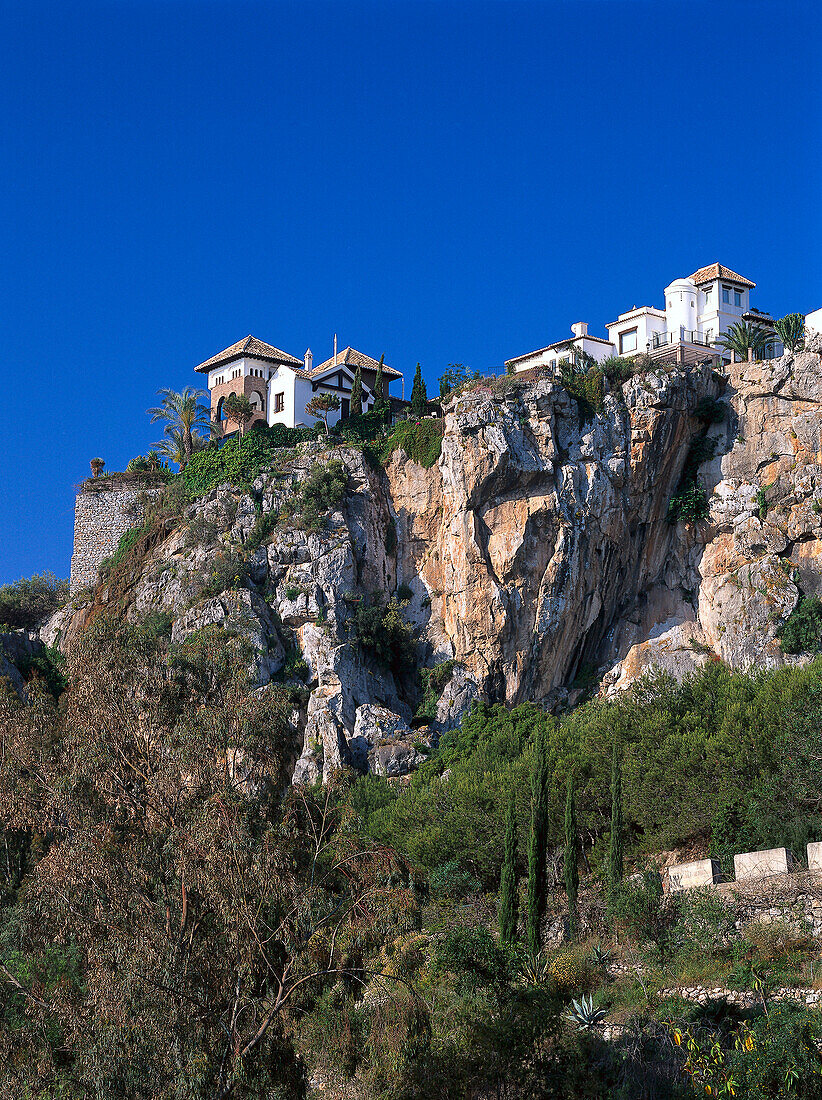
pixel 437 181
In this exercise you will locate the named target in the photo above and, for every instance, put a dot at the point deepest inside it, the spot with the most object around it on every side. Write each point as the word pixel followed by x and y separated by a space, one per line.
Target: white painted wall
pixel 813 321
pixel 646 320
pixel 717 315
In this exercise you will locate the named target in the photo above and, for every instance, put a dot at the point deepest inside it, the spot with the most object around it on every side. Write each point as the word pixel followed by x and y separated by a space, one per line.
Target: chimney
pixel 580 328
pixel 309 359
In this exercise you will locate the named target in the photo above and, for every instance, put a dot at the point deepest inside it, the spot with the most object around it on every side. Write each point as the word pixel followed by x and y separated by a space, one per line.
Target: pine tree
pixel 419 398
pixel 508 878
pixel 537 844
pixel 381 405
pixel 356 394
pixel 571 860
pixel 616 856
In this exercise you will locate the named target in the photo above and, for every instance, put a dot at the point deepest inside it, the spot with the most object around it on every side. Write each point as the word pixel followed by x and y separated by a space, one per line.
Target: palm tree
pixel 184 414
pixel 743 337
pixel 173 446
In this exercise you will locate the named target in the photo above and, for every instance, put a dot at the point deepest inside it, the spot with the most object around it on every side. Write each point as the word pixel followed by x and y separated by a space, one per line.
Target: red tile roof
pixel 349 357
pixel 717 271
pixel 252 347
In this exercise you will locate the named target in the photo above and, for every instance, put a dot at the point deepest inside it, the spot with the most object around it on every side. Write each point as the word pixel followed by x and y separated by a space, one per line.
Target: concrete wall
pixel 687 876
pixel 771 861
pixel 104 510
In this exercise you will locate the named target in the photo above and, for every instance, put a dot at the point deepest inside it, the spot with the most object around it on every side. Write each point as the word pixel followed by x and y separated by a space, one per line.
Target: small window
pixel 737 297
pixel 726 295
pixel 627 341
pixel 708 291
pixel 279 402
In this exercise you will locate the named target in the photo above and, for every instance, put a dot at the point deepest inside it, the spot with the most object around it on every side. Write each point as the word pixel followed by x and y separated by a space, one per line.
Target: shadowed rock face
pixel 537 547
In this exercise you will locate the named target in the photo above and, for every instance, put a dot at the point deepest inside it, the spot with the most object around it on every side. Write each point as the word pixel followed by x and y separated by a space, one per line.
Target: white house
pixel 698 311
pixel 279 386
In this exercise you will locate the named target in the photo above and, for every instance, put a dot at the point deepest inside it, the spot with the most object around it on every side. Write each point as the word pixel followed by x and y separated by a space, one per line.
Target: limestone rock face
pixel 536 551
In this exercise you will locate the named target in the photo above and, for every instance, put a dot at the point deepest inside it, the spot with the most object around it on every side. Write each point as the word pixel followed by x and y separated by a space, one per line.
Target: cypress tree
pixel 616 856
pixel 508 878
pixel 419 398
pixel 571 860
pixel 356 393
pixel 381 405
pixel 537 844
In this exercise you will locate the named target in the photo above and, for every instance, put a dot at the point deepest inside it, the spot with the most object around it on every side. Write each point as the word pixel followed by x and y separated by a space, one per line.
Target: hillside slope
pixel 537 550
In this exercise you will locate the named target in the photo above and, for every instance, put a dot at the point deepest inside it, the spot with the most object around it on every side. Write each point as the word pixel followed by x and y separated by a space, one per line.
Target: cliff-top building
pixel 279 386
pixel 698 312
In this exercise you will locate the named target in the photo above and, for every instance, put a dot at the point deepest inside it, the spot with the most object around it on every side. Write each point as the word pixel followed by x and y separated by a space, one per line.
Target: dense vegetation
pixel 750 737
pixel 173 924
pixel 27 602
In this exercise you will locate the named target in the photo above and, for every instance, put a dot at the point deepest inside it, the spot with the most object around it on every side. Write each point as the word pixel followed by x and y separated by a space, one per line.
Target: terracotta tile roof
pixel 717 271
pixel 253 347
pixel 350 357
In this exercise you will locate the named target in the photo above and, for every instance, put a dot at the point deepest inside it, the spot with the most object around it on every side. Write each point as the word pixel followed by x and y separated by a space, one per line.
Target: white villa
pixel 698 311
pixel 279 386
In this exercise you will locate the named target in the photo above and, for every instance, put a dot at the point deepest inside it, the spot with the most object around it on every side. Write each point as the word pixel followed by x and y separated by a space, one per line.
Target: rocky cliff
pixel 536 553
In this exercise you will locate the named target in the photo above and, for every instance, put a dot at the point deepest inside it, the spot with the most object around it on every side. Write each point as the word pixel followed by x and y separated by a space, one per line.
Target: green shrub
pixel 405 592
pixel 240 460
pixel 587 387
pixel 27 602
pixel 381 630
pixel 433 684
pixel 802 630
pixel 690 503
pixel 618 369
pixel 710 411
pixel 420 439
pixel 322 491
pixel 49 666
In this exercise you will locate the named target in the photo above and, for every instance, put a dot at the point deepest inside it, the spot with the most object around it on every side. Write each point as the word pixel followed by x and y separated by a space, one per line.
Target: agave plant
pixel 600 955
pixel 791 331
pixel 583 1015
pixel 534 970
pixel 743 337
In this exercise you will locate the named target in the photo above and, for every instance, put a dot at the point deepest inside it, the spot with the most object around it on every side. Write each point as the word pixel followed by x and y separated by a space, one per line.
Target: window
pixel 726 295
pixel 737 297
pixel 627 341
pixel 279 402
pixel 708 291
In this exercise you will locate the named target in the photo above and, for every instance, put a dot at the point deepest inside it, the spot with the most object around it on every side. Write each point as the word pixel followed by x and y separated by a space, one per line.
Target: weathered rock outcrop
pixel 538 548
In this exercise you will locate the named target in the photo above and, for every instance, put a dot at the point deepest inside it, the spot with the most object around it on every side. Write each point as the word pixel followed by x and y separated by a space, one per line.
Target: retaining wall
pixel 104 510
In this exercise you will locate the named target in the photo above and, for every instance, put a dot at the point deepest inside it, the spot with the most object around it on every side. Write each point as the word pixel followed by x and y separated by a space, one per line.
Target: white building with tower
pixel 279 386
pixel 698 311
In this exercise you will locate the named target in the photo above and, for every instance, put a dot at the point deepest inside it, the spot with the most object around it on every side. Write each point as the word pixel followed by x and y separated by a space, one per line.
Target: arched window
pixel 220 414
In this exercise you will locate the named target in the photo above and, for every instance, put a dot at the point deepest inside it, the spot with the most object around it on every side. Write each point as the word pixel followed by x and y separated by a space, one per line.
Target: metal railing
pixel 684 336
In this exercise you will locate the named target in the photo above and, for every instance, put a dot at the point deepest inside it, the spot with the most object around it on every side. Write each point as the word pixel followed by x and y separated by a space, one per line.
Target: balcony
pixel 684 346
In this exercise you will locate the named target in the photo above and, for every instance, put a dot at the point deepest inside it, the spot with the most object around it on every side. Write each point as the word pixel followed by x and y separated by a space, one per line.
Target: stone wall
pixel 104 510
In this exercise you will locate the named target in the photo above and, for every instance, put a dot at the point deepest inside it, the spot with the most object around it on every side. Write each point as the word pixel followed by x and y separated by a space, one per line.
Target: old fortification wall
pixel 104 510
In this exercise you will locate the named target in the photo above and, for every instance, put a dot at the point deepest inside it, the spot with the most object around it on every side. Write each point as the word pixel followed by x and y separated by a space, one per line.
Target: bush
pixel 382 631
pixel 573 970
pixel 587 387
pixel 690 502
pixel 322 491
pixel 434 681
pixel 27 602
pixel 127 541
pixel 240 461
pixel 802 630
pixel 710 411
pixel 420 439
